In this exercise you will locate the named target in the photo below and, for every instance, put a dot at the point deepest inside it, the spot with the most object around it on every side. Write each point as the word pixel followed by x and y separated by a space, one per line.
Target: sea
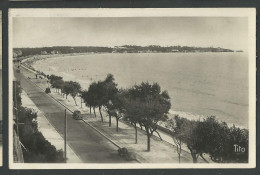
pixel 199 84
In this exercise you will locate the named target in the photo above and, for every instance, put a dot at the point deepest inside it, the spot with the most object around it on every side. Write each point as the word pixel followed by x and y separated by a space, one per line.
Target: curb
pixel 101 134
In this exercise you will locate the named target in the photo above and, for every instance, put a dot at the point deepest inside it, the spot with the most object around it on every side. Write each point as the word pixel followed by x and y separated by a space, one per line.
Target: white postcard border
pixel 178 12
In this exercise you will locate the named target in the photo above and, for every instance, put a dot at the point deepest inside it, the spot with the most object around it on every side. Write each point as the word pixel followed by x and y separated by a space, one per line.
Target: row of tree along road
pixel 146 105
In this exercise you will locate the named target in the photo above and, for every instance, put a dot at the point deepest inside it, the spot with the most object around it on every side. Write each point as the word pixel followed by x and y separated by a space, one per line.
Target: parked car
pixel 76 115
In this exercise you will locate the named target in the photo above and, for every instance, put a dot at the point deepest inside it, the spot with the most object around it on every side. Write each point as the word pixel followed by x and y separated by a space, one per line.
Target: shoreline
pixel 172 112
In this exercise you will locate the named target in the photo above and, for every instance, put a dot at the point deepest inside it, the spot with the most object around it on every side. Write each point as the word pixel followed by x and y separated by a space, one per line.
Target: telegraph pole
pixel 65 136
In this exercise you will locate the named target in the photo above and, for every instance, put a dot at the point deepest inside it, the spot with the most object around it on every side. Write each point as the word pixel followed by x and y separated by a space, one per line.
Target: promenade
pixel 87 144
pixel 162 151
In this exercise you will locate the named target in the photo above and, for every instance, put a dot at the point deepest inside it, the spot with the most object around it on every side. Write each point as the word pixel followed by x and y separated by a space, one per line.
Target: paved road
pixel 90 146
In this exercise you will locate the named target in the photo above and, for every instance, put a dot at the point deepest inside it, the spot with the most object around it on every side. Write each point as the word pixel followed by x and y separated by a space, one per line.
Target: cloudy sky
pixel 223 32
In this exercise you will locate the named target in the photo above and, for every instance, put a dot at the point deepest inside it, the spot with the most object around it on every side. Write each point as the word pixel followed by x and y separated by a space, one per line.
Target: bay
pixel 199 84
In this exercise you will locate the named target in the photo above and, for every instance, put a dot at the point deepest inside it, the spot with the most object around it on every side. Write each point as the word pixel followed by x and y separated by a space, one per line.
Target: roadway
pixel 88 145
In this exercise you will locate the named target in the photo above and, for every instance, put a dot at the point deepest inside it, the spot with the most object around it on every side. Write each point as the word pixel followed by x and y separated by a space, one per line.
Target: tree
pixel 58 84
pixel 214 138
pixel 221 140
pixel 66 88
pixel 115 107
pixel 101 98
pixel 74 90
pixel 92 96
pixel 110 93
pixel 193 139
pixel 132 117
pixel 176 127
pixel 101 93
pixel 87 98
pixel 149 105
pixel 55 81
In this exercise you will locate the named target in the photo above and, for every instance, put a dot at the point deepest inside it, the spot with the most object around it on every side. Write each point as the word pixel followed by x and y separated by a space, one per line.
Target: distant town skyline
pixel 225 32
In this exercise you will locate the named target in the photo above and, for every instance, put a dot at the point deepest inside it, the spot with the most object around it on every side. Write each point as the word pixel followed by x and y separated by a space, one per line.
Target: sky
pixel 226 32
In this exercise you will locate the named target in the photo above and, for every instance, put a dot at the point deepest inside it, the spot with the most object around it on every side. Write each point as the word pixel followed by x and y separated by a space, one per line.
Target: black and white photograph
pixel 132 88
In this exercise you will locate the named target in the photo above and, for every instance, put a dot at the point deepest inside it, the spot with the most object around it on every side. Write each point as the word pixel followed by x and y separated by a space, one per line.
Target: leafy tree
pixel 221 138
pixel 66 88
pixel 74 90
pixel 101 97
pixel 55 80
pixel 100 93
pixel 87 98
pixel 110 93
pixel 115 107
pixel 176 127
pixel 149 105
pixel 92 96
pixel 214 138
pixel 58 84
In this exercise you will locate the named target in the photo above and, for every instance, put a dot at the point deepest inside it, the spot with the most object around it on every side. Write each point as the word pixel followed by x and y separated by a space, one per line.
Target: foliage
pixel 211 137
pixel 54 78
pixel 115 106
pixel 176 126
pixel 148 105
pixel 74 89
pixel 36 147
pixel 100 93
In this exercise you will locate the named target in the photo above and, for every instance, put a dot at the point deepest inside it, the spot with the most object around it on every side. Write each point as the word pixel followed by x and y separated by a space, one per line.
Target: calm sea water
pixel 199 84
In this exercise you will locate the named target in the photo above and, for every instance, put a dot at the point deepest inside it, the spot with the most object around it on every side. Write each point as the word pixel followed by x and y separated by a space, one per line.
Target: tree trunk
pixel 94 111
pixel 179 151
pixel 66 96
pixel 159 135
pixel 194 158
pixel 80 102
pixel 99 107
pixel 109 120
pixel 117 124
pixel 135 134
pixel 75 101
pixel 90 109
pixel 148 142
pixel 193 154
pixel 141 127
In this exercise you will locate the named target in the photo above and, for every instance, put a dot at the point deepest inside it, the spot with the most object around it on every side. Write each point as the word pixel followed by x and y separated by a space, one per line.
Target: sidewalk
pixel 49 131
pixel 161 151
